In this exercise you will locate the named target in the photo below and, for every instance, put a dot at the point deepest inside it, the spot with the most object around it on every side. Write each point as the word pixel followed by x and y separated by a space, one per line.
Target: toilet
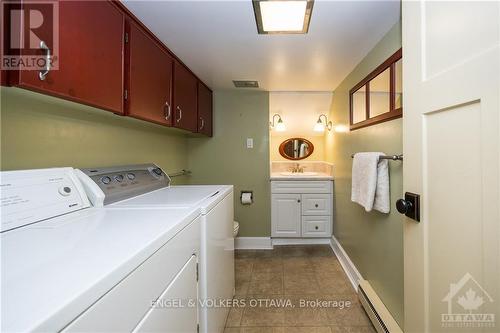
pixel 236 227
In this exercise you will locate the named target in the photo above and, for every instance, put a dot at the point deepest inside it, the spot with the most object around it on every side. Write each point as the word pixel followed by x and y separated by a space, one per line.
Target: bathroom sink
pixel 299 174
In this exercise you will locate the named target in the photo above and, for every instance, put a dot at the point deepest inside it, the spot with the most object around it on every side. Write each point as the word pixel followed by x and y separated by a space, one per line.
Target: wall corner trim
pixel 253 243
pixel 351 271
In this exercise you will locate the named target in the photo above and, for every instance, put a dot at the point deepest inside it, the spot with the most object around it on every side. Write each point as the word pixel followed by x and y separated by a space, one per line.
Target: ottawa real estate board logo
pixel 467 305
pixel 30 36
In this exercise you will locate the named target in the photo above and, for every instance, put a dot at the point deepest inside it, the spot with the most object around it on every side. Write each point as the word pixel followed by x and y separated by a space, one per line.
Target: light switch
pixel 249 142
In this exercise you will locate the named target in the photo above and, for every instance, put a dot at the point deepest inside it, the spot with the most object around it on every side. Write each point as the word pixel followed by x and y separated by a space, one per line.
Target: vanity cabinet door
pixel 286 215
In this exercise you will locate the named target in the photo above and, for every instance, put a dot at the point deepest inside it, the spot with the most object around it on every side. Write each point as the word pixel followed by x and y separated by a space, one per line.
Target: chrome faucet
pixel 297 168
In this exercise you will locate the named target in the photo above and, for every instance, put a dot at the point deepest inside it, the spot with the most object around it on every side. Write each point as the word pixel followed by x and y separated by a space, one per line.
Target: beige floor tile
pixel 305 317
pixel 232 330
pixel 353 329
pixel 308 329
pixel 263 330
pixel 300 284
pixel 241 287
pixel 243 266
pixel 334 284
pixel 297 265
pixel 234 317
pixel 263 316
pixel 296 272
pixel 353 316
pixel 273 264
pixel 267 283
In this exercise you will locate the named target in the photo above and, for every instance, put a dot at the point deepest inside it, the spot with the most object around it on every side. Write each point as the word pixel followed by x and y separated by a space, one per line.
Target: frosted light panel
pixel 283 15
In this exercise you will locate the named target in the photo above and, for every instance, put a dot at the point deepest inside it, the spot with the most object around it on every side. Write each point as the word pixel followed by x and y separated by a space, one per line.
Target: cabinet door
pixel 204 110
pixel 285 215
pixel 149 78
pixel 166 316
pixel 89 59
pixel 185 95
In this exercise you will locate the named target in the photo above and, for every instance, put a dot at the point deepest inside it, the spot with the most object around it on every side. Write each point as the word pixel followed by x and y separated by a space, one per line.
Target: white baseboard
pixel 352 272
pixel 300 241
pixel 253 243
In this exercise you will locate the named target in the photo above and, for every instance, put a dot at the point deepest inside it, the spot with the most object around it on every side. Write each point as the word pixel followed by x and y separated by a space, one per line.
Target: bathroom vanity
pixel 301 201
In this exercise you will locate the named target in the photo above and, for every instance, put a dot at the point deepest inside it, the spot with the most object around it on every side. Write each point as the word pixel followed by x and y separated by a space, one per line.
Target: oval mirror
pixel 296 148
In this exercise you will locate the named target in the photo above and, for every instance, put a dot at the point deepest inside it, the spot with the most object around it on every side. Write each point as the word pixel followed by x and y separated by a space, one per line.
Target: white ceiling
pixel 218 40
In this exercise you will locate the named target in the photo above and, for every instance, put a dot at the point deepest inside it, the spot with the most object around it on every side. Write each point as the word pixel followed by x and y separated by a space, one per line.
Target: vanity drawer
pixel 316 226
pixel 302 186
pixel 316 204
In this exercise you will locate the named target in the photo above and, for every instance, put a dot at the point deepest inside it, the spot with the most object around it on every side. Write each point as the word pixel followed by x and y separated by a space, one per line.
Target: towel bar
pixel 183 172
pixel 390 157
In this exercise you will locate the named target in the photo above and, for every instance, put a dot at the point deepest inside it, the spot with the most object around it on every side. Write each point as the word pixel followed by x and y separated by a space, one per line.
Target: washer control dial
pixel 130 176
pixel 119 178
pixel 106 180
pixel 65 190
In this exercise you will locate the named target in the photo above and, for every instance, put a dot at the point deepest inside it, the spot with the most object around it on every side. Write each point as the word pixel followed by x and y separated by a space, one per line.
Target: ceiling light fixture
pixel 283 16
pixel 279 126
pixel 320 125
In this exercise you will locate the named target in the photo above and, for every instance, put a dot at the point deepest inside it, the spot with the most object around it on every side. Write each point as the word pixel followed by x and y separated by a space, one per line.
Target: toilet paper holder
pixel 251 197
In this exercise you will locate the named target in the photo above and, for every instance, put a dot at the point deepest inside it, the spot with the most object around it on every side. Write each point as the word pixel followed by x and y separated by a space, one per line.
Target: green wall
pixel 373 241
pixel 39 131
pixel 225 159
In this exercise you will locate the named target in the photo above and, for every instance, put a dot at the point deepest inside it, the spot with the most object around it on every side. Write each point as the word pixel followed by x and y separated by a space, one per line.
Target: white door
pixel 285 215
pixel 176 310
pixel 451 71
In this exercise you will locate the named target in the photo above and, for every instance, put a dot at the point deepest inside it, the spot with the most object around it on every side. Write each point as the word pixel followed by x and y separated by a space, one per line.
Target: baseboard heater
pixel 380 317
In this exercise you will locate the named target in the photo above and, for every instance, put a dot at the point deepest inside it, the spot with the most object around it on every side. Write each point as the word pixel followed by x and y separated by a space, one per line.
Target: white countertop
pixel 54 270
pixel 300 176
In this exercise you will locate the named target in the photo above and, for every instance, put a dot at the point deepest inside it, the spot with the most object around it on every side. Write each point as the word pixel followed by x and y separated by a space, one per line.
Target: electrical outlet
pixel 249 143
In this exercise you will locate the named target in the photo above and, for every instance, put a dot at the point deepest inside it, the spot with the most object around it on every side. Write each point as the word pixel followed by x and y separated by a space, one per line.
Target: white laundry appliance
pixel 67 266
pixel 132 187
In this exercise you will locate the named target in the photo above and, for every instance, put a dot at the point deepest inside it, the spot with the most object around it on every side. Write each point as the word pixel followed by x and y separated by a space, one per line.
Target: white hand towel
pixel 370 182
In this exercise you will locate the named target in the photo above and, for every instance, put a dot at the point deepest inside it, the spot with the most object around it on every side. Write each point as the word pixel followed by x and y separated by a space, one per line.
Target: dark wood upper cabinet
pixel 204 110
pixel 149 78
pixel 89 57
pixel 185 96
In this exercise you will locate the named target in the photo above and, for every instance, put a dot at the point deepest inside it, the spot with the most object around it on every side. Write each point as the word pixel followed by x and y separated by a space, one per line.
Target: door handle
pixel 180 114
pixel 202 123
pixel 43 73
pixel 167 110
pixel 409 206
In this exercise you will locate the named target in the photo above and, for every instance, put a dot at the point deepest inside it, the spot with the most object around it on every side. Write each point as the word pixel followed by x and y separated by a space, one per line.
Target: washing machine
pixel 147 187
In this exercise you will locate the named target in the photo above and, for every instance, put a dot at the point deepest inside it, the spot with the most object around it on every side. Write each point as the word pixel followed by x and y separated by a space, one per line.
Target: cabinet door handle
pixel 316 227
pixel 180 114
pixel 298 200
pixel 168 110
pixel 43 73
pixel 202 123
pixel 316 205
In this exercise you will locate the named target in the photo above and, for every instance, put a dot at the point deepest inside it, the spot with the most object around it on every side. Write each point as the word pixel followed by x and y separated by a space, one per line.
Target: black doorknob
pixel 403 206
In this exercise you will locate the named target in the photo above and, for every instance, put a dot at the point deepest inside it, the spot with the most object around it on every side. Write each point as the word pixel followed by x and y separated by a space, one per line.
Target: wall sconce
pixel 279 126
pixel 320 125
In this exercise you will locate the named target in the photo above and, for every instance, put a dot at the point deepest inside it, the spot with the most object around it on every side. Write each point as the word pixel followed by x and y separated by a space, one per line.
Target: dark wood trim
pixel 392 113
pixel 398 113
pixel 367 101
pixel 382 67
pixel 282 149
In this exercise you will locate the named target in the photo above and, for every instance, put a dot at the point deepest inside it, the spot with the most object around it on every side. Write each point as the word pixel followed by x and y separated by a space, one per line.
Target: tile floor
pixel 294 275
